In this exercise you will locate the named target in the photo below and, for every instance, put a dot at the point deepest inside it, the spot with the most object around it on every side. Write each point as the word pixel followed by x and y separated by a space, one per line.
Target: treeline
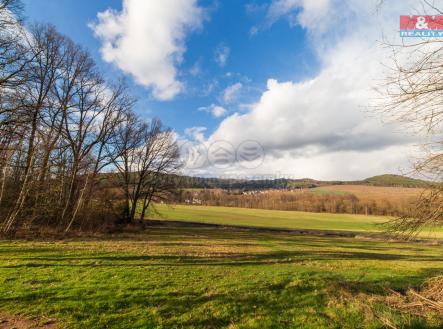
pixel 297 200
pixel 61 127
pixel 287 184
pixel 246 184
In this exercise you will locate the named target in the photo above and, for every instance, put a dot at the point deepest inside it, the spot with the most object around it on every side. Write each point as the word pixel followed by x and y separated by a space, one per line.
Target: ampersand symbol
pixel 421 23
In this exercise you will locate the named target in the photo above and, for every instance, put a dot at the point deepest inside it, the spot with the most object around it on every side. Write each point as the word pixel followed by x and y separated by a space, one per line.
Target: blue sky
pixel 293 76
pixel 281 51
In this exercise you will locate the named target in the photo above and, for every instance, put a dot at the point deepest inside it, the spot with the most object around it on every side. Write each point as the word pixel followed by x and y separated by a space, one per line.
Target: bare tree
pixel 13 50
pixel 162 159
pixel 117 103
pixel 88 130
pixel 128 138
pixel 147 153
pixel 33 101
pixel 413 95
pixel 64 129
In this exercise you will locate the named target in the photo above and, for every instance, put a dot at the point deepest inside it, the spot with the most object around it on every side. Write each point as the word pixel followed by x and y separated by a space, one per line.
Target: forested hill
pixel 395 180
pixel 283 183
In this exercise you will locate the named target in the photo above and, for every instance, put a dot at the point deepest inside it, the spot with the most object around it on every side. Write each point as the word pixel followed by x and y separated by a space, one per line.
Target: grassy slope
pixel 274 218
pixel 268 218
pixel 212 278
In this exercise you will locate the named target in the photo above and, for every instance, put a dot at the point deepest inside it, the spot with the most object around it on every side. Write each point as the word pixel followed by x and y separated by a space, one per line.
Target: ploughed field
pixel 276 219
pixel 178 276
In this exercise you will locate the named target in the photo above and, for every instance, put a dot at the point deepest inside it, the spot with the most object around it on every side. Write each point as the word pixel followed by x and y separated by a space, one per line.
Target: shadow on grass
pixel 294 297
pixel 53 257
pixel 281 304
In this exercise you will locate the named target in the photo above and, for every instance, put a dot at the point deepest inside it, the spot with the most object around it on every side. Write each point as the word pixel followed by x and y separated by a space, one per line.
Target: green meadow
pixel 211 277
pixel 275 218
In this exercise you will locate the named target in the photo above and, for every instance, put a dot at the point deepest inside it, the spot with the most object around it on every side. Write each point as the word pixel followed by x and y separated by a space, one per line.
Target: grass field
pixel 275 218
pixel 178 277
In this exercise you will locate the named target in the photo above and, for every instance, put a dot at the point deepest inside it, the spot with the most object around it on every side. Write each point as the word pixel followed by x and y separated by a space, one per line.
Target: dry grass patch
pixel 9 321
pixel 377 193
pixel 428 301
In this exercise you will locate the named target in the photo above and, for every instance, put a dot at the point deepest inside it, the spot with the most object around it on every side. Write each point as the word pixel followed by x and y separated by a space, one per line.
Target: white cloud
pixel 327 166
pixel 196 69
pixel 321 127
pixel 147 40
pixel 222 54
pixel 298 12
pixel 279 8
pixel 196 133
pixel 216 110
pixel 231 92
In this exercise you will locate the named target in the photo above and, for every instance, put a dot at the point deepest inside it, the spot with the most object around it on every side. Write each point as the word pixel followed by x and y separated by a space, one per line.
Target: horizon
pixel 252 178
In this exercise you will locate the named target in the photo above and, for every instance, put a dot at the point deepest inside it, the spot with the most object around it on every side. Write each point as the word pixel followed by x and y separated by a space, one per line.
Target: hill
pixel 387 180
pixel 395 181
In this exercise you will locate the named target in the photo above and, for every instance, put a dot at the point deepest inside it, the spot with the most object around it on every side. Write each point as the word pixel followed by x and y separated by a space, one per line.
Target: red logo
pixel 421 22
